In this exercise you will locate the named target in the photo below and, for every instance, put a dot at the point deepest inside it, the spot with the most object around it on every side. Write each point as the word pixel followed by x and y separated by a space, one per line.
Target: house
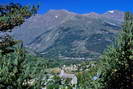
pixel 70 76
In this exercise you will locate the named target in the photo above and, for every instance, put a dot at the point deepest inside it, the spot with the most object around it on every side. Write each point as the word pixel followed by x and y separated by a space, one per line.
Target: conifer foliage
pixel 12 15
pixel 117 61
pixel 19 71
pixel 17 68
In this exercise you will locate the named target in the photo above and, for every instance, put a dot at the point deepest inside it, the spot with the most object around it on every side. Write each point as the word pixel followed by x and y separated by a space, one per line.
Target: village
pixel 66 75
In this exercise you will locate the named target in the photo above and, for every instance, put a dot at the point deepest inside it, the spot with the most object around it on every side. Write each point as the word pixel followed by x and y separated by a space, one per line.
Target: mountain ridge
pixel 60 33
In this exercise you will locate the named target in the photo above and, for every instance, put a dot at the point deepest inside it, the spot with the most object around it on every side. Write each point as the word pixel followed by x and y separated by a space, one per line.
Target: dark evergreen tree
pixel 12 15
pixel 117 62
pixel 17 71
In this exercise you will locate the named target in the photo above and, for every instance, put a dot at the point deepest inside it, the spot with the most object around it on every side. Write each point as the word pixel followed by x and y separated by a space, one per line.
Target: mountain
pixel 68 35
pixel 115 15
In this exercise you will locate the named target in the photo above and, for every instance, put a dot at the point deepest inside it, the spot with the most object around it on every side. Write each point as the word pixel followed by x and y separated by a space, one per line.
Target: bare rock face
pixel 115 15
pixel 68 35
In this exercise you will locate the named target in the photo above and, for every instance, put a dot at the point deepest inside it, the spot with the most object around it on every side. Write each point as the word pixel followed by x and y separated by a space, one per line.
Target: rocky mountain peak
pixel 114 14
pixel 61 11
pixel 92 14
pixel 71 35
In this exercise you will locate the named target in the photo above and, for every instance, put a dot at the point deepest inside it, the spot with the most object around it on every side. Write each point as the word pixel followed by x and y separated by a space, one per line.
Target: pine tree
pixel 12 15
pixel 17 71
pixel 116 64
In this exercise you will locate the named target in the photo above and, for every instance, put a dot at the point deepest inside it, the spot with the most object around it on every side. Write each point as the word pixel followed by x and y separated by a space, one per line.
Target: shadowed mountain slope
pixel 68 35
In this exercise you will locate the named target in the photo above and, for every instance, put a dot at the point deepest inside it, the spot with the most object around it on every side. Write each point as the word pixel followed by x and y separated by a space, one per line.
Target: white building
pixel 71 76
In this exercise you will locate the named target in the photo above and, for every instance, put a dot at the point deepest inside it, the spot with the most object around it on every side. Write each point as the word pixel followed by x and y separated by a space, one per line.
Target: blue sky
pixel 78 6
